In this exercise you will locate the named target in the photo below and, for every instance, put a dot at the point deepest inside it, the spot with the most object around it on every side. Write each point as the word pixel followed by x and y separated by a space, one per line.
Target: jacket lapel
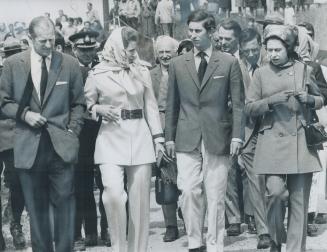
pixel 55 68
pixel 26 65
pixel 212 65
pixel 190 64
pixel 156 80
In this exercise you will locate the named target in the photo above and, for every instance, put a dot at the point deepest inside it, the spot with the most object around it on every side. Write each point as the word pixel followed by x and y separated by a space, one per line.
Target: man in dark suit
pixel 16 201
pixel 203 130
pixel 84 48
pixel 43 90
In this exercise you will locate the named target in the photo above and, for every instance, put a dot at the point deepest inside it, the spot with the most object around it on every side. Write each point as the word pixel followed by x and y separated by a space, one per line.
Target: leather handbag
pixel 315 132
pixel 166 190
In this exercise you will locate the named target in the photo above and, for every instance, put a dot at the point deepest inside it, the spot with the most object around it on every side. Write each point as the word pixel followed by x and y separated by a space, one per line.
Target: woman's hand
pixel 279 97
pixel 305 98
pixel 108 112
pixel 160 150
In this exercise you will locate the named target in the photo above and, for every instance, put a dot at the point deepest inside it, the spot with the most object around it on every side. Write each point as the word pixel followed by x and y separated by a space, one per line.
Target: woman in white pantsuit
pixel 120 90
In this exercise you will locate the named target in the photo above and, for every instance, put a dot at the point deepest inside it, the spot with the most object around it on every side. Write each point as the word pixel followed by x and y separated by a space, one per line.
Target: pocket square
pixel 61 83
pixel 218 77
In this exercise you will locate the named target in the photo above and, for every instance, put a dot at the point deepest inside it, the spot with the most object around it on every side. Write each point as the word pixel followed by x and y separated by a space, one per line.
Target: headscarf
pixel 114 55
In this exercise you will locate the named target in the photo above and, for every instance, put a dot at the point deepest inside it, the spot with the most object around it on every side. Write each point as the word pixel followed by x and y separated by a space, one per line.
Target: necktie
pixel 254 67
pixel 202 66
pixel 44 79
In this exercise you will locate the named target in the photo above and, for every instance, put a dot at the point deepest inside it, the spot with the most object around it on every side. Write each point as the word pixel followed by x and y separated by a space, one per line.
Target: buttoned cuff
pixel 169 143
pixel 93 111
pixel 159 140
pixel 237 140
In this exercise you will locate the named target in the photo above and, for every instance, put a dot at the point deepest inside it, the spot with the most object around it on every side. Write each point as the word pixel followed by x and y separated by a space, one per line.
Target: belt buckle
pixel 123 114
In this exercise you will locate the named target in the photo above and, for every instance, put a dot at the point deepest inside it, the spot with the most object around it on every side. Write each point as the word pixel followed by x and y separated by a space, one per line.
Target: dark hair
pixel 60 41
pixel 248 35
pixel 39 21
pixel 80 20
pixel 128 34
pixel 309 27
pixel 229 24
pixel 201 15
pixel 59 24
pixel 89 3
pixel 187 44
pixel 71 20
pixel 290 49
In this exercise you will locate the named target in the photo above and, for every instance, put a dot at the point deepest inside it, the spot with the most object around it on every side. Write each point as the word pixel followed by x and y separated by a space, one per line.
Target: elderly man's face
pixel 228 40
pixel 251 51
pixel 44 40
pixel 165 53
pixel 85 55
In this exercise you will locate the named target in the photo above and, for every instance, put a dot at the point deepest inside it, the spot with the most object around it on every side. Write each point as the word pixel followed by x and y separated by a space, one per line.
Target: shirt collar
pixel 208 51
pixel 249 66
pixel 38 57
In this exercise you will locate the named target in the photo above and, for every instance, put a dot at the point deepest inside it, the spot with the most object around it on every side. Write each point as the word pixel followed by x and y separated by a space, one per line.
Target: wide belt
pixel 131 114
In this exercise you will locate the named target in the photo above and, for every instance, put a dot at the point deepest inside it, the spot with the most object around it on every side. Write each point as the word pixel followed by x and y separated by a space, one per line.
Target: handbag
pixel 315 132
pixel 166 190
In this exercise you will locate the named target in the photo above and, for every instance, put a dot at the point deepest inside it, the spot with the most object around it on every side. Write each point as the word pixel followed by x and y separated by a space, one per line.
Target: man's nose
pixel 48 44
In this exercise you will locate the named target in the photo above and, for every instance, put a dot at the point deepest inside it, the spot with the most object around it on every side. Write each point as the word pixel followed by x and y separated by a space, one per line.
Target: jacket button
pixel 281 134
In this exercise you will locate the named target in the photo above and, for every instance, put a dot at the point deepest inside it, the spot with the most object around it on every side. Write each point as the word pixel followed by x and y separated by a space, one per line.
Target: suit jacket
pixel 197 110
pixel 7 127
pixel 63 106
pixel 127 142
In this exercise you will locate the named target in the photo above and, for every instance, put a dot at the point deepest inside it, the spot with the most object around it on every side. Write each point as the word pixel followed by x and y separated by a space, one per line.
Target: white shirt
pixel 36 69
pixel 197 58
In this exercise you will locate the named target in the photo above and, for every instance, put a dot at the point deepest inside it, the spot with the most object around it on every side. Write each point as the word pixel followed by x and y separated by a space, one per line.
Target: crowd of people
pixel 223 116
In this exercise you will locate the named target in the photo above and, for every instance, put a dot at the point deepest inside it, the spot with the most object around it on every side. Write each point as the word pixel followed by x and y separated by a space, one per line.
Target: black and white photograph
pixel 163 125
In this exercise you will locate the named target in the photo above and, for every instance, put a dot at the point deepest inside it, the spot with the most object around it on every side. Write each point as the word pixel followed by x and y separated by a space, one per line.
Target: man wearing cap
pixel 16 199
pixel 84 48
pixel 202 132
pixel 43 91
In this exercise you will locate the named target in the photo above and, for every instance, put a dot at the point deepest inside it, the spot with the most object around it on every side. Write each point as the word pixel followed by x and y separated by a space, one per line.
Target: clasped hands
pixel 283 96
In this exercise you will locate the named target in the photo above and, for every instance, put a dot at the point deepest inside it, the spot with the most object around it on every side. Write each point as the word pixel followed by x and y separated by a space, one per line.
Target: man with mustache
pixel 166 48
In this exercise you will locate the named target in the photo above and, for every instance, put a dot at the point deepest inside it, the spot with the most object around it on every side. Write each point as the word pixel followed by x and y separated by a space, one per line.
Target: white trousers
pixel 114 200
pixel 202 178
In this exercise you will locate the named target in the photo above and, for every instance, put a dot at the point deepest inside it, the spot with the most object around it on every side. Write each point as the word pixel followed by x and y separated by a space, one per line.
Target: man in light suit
pixel 203 130
pixel 43 90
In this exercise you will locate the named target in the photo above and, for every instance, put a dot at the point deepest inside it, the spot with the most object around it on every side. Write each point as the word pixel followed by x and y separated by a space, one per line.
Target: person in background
pixel 164 17
pixel 132 13
pixel 3 32
pixel 165 48
pixel 69 30
pixel 91 14
pixel 16 197
pixel 79 24
pixel 11 32
pixel 197 102
pixel 289 13
pixel 185 46
pixel 252 59
pixel 277 94
pixel 229 33
pixel 147 18
pixel 119 89
pixel 84 49
pixel 47 14
pixel 87 27
pixel 60 14
pixel 97 27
